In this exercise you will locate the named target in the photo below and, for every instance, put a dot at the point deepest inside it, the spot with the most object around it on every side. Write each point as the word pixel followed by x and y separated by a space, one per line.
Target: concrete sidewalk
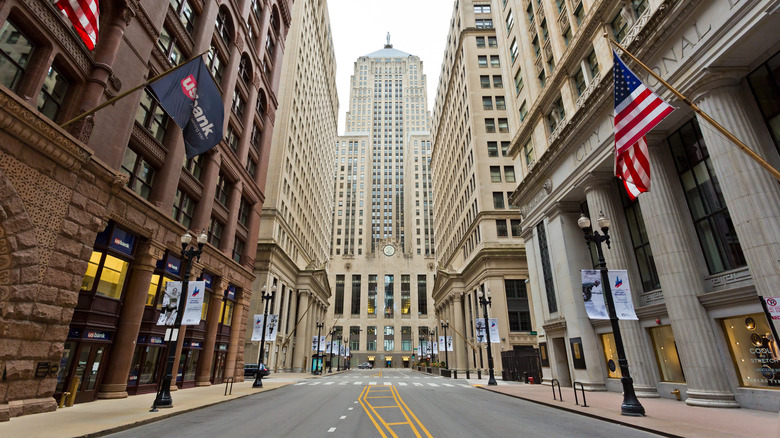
pixel 102 417
pixel 663 416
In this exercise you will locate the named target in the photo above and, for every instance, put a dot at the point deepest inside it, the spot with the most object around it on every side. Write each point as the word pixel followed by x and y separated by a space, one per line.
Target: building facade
pixel 700 247
pixel 294 239
pixel 479 249
pixel 382 240
pixel 94 212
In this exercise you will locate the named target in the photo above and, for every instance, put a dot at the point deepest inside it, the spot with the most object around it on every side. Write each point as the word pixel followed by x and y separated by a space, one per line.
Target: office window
pixel 765 84
pixel 497 81
pixel 52 94
pixel 579 81
pixel 505 148
pixel 484 81
pixel 500 103
pixel 480 41
pixel 354 338
pixel 495 173
pixel 422 295
pixel 215 64
pixel 406 295
pixel 642 251
pixel 503 125
pixel 510 21
pixel 528 152
pixel 338 305
pixel 140 173
pixel 619 27
pixel 389 296
pixel 501 228
pixel 487 103
pixel 372 288
pixel 490 125
pixel 494 61
pixel 483 23
pixel 193 166
pixel 516 227
pixel 244 209
pixel 238 249
pixel 223 185
pixel 498 200
pixel 183 208
pixel 215 232
pixel 355 308
pixel 481 9
pixel 492 41
pixel 509 173
pixel 523 111
pixel 482 61
pixel 517 306
pixel 513 50
pixel 593 64
pixel 185 14
pixel 151 117
pixel 544 255
pixel 221 26
pixel 492 148
pixel 15 53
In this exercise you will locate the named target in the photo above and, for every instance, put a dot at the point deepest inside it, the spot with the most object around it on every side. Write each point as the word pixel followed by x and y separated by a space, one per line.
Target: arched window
pixel 224 26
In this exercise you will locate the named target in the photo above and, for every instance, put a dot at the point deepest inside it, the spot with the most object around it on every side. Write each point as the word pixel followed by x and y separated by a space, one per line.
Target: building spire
pixel 388 45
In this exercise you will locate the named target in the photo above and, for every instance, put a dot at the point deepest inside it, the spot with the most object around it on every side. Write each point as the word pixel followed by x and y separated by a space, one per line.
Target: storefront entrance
pixel 218 367
pixel 82 360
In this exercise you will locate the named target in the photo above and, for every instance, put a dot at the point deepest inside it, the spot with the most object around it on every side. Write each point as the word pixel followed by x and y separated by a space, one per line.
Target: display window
pixel 105 275
pixel 754 350
pixel 610 355
pixel 146 361
pixel 666 354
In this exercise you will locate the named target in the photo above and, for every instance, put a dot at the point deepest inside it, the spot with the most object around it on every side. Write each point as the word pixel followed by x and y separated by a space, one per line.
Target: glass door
pixel 90 357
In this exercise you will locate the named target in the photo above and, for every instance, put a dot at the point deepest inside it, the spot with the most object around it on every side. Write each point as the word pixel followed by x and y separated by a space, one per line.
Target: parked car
pixel 251 368
pixel 365 366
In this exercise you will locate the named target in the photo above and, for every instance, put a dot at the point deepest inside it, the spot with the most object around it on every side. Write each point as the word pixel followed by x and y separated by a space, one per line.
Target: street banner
pixel 435 347
pixel 314 343
pixel 271 329
pixel 346 352
pixel 322 343
pixel 342 350
pixel 193 307
pixel 328 347
pixel 593 294
pixel 448 343
pixel 495 337
pixel 170 303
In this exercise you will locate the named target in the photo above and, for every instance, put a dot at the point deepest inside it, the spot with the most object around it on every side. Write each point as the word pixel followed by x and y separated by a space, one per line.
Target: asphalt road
pixel 380 403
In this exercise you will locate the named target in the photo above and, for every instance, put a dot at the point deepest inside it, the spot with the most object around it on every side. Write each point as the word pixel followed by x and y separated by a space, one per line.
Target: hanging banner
pixel 495 337
pixel 271 327
pixel 342 350
pixel 435 347
pixel 170 303
pixel 314 343
pixel 346 353
pixel 193 308
pixel 593 294
pixel 448 343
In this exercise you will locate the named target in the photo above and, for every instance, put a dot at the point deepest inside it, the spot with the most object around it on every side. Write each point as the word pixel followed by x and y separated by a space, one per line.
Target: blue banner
pixel 192 100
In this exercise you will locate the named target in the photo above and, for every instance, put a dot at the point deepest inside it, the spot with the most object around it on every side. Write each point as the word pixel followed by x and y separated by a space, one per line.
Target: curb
pixel 587 414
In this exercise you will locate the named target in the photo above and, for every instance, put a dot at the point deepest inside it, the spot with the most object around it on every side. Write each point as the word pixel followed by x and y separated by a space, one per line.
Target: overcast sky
pixel 359 27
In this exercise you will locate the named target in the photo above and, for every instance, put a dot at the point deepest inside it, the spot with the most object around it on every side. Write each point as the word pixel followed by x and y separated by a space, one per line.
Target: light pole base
pixel 631 406
pixel 258 381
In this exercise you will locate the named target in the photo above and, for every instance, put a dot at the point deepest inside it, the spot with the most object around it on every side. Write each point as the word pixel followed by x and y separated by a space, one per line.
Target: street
pixel 380 403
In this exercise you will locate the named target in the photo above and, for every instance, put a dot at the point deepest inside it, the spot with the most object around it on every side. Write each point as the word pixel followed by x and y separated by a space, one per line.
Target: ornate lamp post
pixel 422 351
pixel 188 253
pixel 631 405
pixel 259 375
pixel 332 341
pixel 486 302
pixel 445 326
pixel 338 354
pixel 316 369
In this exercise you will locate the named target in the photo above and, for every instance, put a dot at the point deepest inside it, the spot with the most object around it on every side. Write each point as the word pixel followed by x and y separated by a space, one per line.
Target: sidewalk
pixel 663 416
pixel 101 417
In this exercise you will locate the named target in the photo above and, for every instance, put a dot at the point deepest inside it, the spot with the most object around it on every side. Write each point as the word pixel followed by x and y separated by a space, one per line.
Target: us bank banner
pixel 593 294
pixel 271 328
pixel 193 306
pixel 495 337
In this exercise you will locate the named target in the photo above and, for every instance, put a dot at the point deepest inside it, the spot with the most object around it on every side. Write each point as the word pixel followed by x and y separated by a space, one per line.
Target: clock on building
pixel 389 250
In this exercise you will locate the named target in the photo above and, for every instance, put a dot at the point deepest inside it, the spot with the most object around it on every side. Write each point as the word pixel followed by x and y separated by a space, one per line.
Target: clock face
pixel 389 250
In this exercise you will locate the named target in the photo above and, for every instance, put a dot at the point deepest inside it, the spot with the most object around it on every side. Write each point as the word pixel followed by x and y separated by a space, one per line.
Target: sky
pixel 360 27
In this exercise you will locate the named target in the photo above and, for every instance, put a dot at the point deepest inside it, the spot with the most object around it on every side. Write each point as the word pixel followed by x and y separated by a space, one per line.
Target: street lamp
pixel 631 405
pixel 188 253
pixel 338 355
pixel 259 375
pixel 445 326
pixel 332 341
pixel 316 369
pixel 486 302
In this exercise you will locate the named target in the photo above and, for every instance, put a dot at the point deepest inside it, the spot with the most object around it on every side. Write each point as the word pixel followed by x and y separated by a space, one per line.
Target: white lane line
pixel 358 383
pixel 350 409
pixel 315 383
pixel 447 384
pixel 388 383
pixel 302 383
pixel 466 386
pixel 342 417
pixel 331 430
pixel 432 384
pixel 372 383
pixel 355 403
pixel 342 383
pixel 401 383
pixel 418 384
pixel 328 383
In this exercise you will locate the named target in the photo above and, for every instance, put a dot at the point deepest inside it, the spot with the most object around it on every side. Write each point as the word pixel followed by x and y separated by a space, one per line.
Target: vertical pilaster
pixel 460 345
pixel 300 334
pixel 203 373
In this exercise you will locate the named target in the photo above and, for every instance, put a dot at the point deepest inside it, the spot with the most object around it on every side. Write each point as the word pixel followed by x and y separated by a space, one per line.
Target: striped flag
pixel 637 111
pixel 84 15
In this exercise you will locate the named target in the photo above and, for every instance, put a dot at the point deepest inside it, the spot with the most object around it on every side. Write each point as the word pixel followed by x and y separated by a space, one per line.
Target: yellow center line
pixel 381 396
pixel 428 434
pixel 362 403
pixel 409 421
pixel 382 420
pixel 373 414
pixel 399 424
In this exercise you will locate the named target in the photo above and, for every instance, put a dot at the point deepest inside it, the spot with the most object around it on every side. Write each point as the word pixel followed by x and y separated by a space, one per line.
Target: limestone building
pixel 294 238
pixel 93 213
pixel 701 246
pixel 477 229
pixel 382 253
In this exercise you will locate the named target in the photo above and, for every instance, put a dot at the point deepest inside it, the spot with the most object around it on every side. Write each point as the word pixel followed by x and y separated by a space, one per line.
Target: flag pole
pixel 757 158
pixel 132 90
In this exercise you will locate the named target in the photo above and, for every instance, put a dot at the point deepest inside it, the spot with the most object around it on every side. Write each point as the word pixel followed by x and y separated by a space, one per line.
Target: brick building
pixel 111 195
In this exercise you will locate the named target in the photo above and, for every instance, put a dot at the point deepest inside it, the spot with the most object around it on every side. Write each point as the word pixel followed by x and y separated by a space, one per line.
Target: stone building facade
pixel 382 245
pixel 701 246
pixel 93 213
pixel 293 242
pixel 478 244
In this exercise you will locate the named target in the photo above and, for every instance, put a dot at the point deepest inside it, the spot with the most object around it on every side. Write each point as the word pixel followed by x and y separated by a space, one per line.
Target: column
pixel 600 193
pixel 210 174
pixel 751 193
pixel 229 233
pixel 237 334
pixel 676 259
pixel 301 342
pixel 292 318
pixel 166 180
pixel 203 373
pixel 120 360
pixel 460 345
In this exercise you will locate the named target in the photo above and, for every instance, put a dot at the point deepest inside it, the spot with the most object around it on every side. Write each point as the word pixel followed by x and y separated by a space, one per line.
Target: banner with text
pixel 448 343
pixel 271 328
pixel 193 306
pixel 593 294
pixel 495 338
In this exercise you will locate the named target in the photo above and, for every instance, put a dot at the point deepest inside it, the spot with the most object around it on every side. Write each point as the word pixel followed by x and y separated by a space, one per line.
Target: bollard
pixel 468 376
pixel 479 374
pixel 74 388
pixel 454 374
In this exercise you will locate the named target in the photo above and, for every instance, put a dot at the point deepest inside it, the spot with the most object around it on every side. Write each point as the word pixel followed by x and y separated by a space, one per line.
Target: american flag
pixel 84 15
pixel 637 111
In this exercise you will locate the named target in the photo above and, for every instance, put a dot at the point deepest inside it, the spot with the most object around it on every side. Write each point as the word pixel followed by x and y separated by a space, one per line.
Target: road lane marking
pixel 371 383
pixel 342 417
pixel 342 383
pixel 433 384
pixel 331 430
pixel 351 408
pixel 328 383
pixel 315 383
pixel 447 384
pixel 402 383
pixel 388 383
pixel 418 384
pixel 358 383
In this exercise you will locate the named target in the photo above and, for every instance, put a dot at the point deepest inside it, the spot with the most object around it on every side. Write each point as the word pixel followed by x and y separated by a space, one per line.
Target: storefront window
pixel 610 355
pixel 227 312
pixel 205 310
pixel 154 286
pixel 92 267
pixel 666 354
pixel 112 273
pixel 754 350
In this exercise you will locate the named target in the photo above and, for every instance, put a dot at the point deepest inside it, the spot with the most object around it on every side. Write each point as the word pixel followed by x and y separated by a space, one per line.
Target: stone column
pixel 601 194
pixel 300 334
pixel 203 373
pixel 209 176
pixel 240 313
pixel 292 318
pixel 751 193
pixel 229 232
pixel 675 256
pixel 460 344
pixel 120 360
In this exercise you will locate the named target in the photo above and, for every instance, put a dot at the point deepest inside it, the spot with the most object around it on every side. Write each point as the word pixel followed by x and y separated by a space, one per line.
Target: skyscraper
pixel 382 214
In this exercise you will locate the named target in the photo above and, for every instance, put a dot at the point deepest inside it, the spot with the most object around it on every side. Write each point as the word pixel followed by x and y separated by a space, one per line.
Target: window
pixel 222 26
pixel 185 13
pixel 338 304
pixel 484 81
pixel 52 94
pixel 500 103
pixel 528 152
pixel 257 9
pixel 183 208
pixel 765 84
pixel 140 173
pixel 494 61
pixel 542 79
pixel 406 295
pixel 215 232
pixel 579 82
pixel 513 51
pixel 516 227
pixel 251 166
pixel 497 82
pixel 498 200
pixel 215 64
pixel 480 41
pixel 505 148
pixel 422 295
pixel 238 104
pixel 355 308
pixel 167 43
pixel 509 173
pixel 593 64
pixel 556 115
pixel 481 9
pixel 482 61
pixel 642 251
pixel 15 53
pixel 244 209
pixel 495 173
pixel 354 337
pixel 231 138
pixel 111 271
pixel 492 42
pixel 238 249
pixel 666 354
pixel 193 166
pixel 501 228
pixel 619 27
pixel 503 125
pixel 492 147
pixel 523 111
pixel 152 117
pixel 389 296
pixel 490 125
pixel 544 255
pixel 483 23
pixel 510 21
pixel 371 304
pixel 717 237
pixel 517 305
pixel 487 102
pixel 221 193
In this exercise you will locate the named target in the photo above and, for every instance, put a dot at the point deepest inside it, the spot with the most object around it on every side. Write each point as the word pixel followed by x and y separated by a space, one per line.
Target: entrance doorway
pixel 561 362
pixel 86 366
pixel 218 370
pixel 389 362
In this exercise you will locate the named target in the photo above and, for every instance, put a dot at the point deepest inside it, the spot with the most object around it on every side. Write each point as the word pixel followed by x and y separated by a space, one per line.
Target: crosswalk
pixel 323 382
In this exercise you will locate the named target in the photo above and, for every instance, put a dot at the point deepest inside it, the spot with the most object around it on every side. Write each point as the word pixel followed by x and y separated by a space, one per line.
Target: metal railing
pixel 576 400
pixel 554 382
pixel 229 381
